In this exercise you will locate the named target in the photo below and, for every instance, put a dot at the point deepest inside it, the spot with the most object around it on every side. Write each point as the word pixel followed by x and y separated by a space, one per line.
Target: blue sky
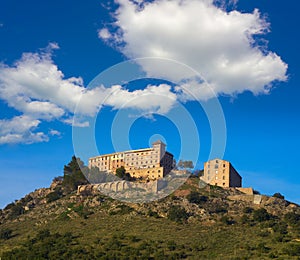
pixel 201 54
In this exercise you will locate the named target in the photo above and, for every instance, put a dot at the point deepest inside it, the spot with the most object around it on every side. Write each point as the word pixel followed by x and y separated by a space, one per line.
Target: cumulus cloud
pixel 219 44
pixel 38 89
pixel 19 129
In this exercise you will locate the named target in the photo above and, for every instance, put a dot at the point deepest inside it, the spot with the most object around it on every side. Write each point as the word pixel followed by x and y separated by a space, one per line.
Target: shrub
pixel 261 215
pixel 197 198
pixel 292 249
pixel 247 210
pixel 55 195
pixel 278 195
pixel 15 211
pixel 280 228
pixel 121 210
pixel 5 234
pixel 245 219
pixel 152 213
pixel 292 218
pixel 9 206
pixel 226 220
pixel 215 208
pixel 178 214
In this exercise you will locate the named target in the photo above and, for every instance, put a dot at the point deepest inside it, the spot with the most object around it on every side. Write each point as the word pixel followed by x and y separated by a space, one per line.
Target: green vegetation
pixel 185 165
pixel 5 234
pixel 261 215
pixel 73 176
pixel 197 198
pixel 178 214
pixel 191 223
pixel 53 196
pixel 122 174
pixel 278 195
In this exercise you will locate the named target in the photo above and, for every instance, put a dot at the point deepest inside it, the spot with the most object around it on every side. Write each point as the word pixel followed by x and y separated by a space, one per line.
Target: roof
pixel 158 142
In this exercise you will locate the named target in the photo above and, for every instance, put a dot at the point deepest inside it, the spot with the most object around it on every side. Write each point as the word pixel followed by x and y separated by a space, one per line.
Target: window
pixel 158 171
pixel 216 166
pixel 223 177
pixel 216 172
pixel 223 183
pixel 217 161
pixel 224 165
pixel 208 172
pixel 216 177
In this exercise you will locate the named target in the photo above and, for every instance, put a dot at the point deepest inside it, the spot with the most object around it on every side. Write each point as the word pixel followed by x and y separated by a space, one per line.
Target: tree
pixel 199 173
pixel 185 164
pixel 73 176
pixel 122 174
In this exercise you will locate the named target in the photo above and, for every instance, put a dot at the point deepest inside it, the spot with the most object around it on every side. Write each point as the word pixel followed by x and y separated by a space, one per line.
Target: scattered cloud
pixel 36 88
pixel 54 132
pixel 104 34
pixel 220 45
pixel 20 129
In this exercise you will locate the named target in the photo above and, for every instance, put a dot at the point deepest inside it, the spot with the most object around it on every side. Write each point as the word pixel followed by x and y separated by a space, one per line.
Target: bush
pixel 280 228
pixel 178 214
pixel 5 234
pixel 261 215
pixel 152 213
pixel 292 249
pixel 121 210
pixel 245 219
pixel 226 220
pixel 278 195
pixel 15 211
pixel 197 198
pixel 248 210
pixel 55 195
pixel 292 218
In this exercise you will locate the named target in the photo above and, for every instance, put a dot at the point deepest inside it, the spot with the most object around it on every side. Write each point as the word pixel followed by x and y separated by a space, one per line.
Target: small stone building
pixel 221 173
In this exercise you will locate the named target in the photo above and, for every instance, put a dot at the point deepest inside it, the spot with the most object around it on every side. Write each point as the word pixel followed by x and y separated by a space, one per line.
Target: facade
pixel 149 163
pixel 221 173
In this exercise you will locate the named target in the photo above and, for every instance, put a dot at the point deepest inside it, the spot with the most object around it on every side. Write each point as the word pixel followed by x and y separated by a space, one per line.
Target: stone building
pixel 148 163
pixel 221 173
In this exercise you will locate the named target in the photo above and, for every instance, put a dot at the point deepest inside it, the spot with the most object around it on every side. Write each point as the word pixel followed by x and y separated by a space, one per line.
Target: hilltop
pixel 190 223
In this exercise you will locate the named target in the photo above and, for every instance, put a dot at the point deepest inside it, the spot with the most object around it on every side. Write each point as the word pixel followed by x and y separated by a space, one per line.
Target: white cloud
pixel 36 88
pixel 104 34
pixel 20 129
pixel 219 44
pixel 151 99
pixel 54 132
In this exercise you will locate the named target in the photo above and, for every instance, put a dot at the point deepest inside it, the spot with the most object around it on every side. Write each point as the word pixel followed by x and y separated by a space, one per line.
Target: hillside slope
pixel 192 223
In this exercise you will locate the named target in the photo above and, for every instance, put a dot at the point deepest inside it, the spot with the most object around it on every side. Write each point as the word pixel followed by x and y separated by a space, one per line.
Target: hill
pixel 191 223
